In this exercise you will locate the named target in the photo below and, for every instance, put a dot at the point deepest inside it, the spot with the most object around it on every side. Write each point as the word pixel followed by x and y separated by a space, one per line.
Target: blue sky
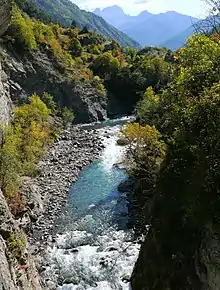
pixel 133 7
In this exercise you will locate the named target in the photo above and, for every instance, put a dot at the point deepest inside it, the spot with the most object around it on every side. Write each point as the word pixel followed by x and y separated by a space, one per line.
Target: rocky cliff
pixel 5 15
pixel 5 101
pixel 17 267
pixel 201 272
pixel 36 73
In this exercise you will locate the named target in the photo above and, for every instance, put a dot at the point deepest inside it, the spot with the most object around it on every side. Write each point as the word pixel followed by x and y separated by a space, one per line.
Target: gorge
pixel 78 211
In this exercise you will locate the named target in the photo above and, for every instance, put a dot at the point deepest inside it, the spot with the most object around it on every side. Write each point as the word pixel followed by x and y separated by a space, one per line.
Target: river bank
pixel 90 245
pixel 59 169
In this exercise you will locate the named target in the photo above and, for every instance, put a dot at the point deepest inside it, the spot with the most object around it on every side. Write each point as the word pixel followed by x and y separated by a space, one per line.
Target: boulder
pixel 126 186
pixel 122 141
pixel 39 74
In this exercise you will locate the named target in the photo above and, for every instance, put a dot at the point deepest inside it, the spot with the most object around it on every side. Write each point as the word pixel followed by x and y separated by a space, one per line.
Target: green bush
pixel 16 244
pixel 22 29
pixel 67 116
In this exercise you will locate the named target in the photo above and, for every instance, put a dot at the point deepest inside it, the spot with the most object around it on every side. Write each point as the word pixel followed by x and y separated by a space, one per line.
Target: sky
pixel 196 8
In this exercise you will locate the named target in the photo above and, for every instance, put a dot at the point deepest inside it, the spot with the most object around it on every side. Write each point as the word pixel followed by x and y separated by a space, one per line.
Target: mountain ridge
pixel 149 29
pixel 65 12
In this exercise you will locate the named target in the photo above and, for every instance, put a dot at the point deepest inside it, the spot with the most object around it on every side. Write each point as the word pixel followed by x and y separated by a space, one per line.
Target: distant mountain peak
pixel 147 28
pixel 114 7
pixel 143 13
pixel 97 10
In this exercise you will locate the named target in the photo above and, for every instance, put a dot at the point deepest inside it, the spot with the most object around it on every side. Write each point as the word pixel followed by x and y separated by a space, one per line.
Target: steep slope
pixel 65 12
pixel 114 15
pixel 5 102
pixel 180 39
pixel 16 271
pixel 146 28
pixel 5 15
pixel 201 26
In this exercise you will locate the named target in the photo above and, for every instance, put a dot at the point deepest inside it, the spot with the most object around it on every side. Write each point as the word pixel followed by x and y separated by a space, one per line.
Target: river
pixel 94 248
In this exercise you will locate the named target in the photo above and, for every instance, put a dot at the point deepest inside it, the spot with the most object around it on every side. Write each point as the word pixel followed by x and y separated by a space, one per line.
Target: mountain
pixel 205 25
pixel 114 15
pixel 65 12
pixel 146 28
pixel 180 39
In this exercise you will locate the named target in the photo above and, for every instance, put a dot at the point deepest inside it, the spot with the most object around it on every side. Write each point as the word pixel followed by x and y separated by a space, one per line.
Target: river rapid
pixel 94 248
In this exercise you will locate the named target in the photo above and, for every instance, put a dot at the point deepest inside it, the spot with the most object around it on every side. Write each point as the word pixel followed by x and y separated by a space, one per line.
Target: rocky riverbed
pixel 60 168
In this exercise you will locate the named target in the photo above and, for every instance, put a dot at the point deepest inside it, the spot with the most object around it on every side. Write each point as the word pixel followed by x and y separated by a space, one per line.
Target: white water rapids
pixel 95 249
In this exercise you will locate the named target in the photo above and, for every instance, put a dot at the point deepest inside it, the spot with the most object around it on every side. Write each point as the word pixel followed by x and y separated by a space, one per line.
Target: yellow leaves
pixel 23 29
pixel 23 143
pixel 141 134
pixel 35 110
pixel 43 33
pixel 145 141
pixel 33 119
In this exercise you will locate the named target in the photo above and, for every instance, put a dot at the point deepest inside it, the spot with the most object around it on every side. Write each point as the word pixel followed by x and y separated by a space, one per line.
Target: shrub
pixel 16 244
pixel 22 29
pixel 68 116
pixel 75 47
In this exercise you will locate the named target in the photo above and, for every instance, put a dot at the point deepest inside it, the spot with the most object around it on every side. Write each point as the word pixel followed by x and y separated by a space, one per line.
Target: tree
pixel 75 47
pixel 73 24
pixel 147 108
pixel 68 116
pixel 131 53
pixel 32 121
pixel 105 64
pixel 146 148
pixel 85 30
pixel 210 24
pixel 49 101
pixel 10 165
pixel 22 29
pixel 23 143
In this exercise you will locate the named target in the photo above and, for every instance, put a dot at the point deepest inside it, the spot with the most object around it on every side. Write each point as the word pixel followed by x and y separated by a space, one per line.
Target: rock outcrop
pixel 202 269
pixel 15 273
pixel 5 14
pixel 208 260
pixel 36 73
pixel 5 101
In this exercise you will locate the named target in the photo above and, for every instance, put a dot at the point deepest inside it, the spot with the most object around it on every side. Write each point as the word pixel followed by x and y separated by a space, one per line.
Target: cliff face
pixel 202 270
pixel 208 260
pixel 17 266
pixel 5 14
pixel 16 272
pixel 36 73
pixel 5 101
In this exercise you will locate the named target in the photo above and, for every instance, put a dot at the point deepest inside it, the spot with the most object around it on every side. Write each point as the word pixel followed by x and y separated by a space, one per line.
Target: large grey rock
pixel 209 260
pixel 38 74
pixel 6 281
pixel 5 100
pixel 5 15
pixel 12 277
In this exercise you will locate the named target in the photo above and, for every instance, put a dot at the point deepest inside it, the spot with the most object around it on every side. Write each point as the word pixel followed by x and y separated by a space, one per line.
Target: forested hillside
pixel 66 13
pixel 86 57
pixel 73 68
pixel 175 154
pixel 52 75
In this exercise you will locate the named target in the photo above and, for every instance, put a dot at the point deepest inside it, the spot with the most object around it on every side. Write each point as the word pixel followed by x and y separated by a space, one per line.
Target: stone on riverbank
pixel 60 168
